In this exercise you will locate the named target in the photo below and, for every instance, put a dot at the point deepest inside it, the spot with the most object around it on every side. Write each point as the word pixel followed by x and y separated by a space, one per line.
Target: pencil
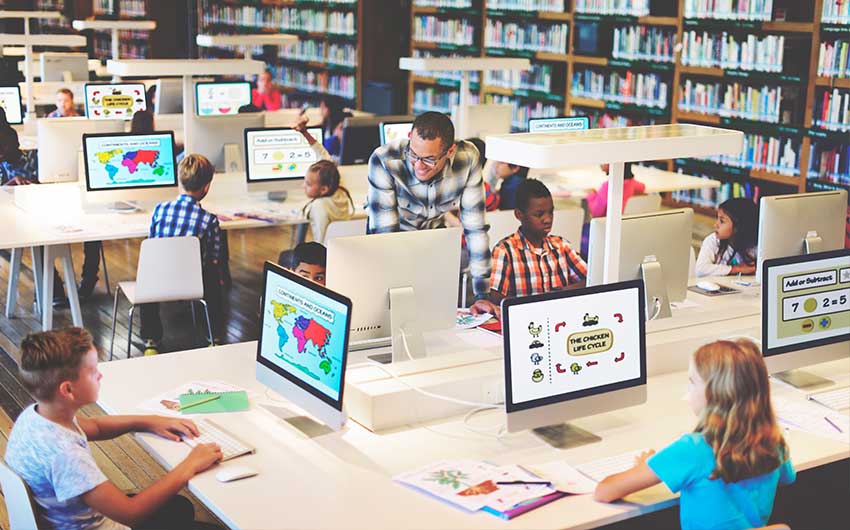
pixel 834 425
pixel 207 400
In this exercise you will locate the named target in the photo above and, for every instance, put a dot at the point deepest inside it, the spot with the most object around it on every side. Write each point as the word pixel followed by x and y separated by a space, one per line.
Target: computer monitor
pixel 402 283
pixel 397 130
pixel 273 156
pixel 60 145
pixel 114 101
pixel 64 66
pixel 654 247
pixel 221 99
pixel 559 124
pixel 573 353
pixel 303 347
pixel 790 225
pixel 805 311
pixel 482 120
pixel 361 136
pixel 10 102
pixel 169 96
pixel 220 138
pixel 129 167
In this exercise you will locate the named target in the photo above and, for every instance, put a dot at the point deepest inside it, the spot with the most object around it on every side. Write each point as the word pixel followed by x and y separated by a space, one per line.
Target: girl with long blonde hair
pixel 728 469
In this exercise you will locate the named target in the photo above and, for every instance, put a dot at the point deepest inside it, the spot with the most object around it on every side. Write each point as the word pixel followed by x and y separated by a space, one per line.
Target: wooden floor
pixel 123 461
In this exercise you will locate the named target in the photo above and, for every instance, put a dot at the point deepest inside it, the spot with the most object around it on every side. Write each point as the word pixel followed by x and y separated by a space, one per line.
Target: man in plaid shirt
pixel 185 217
pixel 414 183
pixel 531 261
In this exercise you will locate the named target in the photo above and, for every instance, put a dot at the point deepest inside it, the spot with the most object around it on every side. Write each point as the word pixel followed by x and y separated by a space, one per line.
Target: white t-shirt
pixel 706 266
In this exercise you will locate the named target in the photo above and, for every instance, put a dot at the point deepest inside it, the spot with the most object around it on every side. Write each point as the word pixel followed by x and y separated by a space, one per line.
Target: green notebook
pixel 227 402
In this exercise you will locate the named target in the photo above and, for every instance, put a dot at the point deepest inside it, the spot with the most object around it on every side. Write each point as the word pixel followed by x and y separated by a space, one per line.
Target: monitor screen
pixel 805 301
pixel 10 101
pixel 304 333
pixel 127 160
pixel 221 99
pixel 564 123
pixel 572 344
pixel 391 132
pixel 278 154
pixel 114 101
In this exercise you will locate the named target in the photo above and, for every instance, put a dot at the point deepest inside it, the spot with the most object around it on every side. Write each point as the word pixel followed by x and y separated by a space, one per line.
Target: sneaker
pixel 151 348
pixel 86 289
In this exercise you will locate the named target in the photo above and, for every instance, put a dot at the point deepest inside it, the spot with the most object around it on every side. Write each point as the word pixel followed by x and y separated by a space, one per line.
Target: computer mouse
pixel 709 286
pixel 231 473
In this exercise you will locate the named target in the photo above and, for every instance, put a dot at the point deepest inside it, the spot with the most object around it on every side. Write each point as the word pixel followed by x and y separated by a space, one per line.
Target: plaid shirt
pixel 520 270
pixel 397 200
pixel 186 217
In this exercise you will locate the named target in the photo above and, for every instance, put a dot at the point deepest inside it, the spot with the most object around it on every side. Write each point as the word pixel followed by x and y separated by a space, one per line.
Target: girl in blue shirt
pixel 728 469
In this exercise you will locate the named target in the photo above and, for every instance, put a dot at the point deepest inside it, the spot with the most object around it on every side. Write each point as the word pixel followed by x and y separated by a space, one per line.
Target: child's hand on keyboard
pixel 171 428
pixel 643 457
pixel 202 457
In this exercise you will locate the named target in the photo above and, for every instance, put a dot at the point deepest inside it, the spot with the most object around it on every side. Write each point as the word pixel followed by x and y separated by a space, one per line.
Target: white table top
pixel 42 40
pixel 138 25
pixel 473 64
pixel 278 39
pixel 343 480
pixel 183 67
pixel 577 182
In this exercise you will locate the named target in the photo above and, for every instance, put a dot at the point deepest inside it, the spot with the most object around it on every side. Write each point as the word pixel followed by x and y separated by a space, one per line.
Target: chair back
pixel 642 204
pixel 502 224
pixel 19 504
pixel 169 270
pixel 353 227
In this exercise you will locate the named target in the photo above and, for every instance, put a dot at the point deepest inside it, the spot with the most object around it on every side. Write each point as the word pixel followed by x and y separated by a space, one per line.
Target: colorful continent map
pixel 131 160
pixel 305 330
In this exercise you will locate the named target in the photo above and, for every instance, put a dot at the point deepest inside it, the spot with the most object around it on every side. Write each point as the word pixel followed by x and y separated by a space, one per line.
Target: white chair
pixel 19 503
pixel 567 224
pixel 642 204
pixel 502 223
pixel 169 270
pixel 353 227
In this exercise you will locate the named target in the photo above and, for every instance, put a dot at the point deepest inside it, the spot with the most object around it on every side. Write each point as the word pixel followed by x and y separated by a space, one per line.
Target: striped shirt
pixel 185 217
pixel 397 200
pixel 520 269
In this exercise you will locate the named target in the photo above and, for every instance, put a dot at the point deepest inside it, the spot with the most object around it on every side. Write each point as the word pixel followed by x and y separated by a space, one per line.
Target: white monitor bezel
pixel 126 117
pixel 88 187
pixel 200 84
pixel 20 106
pixel 316 132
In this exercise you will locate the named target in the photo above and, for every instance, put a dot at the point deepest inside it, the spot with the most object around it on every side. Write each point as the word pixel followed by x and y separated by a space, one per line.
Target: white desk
pixel 577 182
pixel 343 480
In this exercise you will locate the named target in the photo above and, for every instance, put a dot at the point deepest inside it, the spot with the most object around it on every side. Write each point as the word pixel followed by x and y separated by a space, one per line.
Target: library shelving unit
pixel 128 20
pixel 777 70
pixel 326 60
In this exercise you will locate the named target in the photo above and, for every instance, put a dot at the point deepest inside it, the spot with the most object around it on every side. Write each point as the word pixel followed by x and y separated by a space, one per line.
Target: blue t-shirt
pixel 686 465
pixel 507 193
pixel 58 466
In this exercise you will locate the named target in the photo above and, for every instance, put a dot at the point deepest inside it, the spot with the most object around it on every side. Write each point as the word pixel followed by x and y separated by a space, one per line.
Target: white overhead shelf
pixel 183 67
pixel 30 14
pixel 16 39
pixel 466 64
pixel 134 25
pixel 272 39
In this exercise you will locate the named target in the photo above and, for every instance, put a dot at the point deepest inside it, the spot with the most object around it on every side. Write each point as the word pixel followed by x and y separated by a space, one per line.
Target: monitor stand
pixel 123 207
pixel 405 330
pixel 813 243
pixel 305 424
pixel 232 158
pixel 277 196
pixel 565 436
pixel 802 380
pixel 657 301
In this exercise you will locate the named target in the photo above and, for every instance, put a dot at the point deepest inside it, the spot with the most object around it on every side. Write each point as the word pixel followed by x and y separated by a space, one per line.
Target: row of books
pixel 538 78
pixel 834 59
pixel 534 37
pixel 133 8
pixel 637 8
pixel 729 9
pixel 832 110
pixel 644 43
pixel 836 12
pixel 601 119
pixel 459 31
pixel 629 87
pixel 713 197
pixel 342 85
pixel 454 75
pixel 549 6
pixel 779 155
pixel 430 98
pixel 455 4
pixel 734 100
pixel 728 50
pixel 127 49
pixel 523 110
pixel 321 51
pixel 280 18
pixel 104 7
pixel 830 162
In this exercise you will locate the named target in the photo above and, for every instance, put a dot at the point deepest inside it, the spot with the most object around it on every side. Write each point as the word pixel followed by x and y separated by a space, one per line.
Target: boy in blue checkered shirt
pixel 185 217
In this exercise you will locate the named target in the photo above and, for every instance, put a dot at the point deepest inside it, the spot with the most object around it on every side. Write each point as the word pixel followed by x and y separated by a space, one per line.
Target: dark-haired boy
pixel 531 261
pixel 308 260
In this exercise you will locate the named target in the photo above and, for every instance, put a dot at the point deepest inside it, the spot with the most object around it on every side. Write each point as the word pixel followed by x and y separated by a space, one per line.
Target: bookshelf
pixel 777 70
pixel 132 43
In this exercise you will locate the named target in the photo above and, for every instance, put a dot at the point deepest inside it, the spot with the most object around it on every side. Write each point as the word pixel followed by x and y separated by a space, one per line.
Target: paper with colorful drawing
pixel 466 320
pixel 168 403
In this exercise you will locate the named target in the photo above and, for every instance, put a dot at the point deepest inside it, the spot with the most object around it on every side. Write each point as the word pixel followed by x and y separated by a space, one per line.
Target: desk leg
pixel 37 254
pixel 71 285
pixel 47 283
pixel 12 291
pixel 63 252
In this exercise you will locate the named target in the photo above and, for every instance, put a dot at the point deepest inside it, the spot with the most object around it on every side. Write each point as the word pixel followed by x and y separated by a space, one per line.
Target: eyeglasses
pixel 428 161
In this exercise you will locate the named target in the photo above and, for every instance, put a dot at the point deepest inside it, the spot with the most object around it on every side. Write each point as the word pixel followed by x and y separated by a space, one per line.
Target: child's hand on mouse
pixel 743 269
pixel 202 457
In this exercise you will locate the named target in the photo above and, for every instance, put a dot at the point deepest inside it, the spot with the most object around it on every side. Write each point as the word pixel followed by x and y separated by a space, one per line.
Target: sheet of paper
pixel 466 320
pixel 509 495
pixel 564 477
pixel 812 418
pixel 168 403
pixel 465 483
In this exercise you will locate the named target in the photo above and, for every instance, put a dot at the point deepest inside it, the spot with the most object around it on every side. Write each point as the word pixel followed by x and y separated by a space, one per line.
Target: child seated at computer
pixel 329 201
pixel 17 167
pixel 49 444
pixel 731 248
pixel 531 261
pixel 306 259
pixel 184 216
pixel 509 178
pixel 726 470
pixel 65 107
pixel 597 200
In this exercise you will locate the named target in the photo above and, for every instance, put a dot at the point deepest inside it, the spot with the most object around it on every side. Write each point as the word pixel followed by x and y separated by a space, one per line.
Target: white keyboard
pixel 836 399
pixel 231 446
pixel 599 469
